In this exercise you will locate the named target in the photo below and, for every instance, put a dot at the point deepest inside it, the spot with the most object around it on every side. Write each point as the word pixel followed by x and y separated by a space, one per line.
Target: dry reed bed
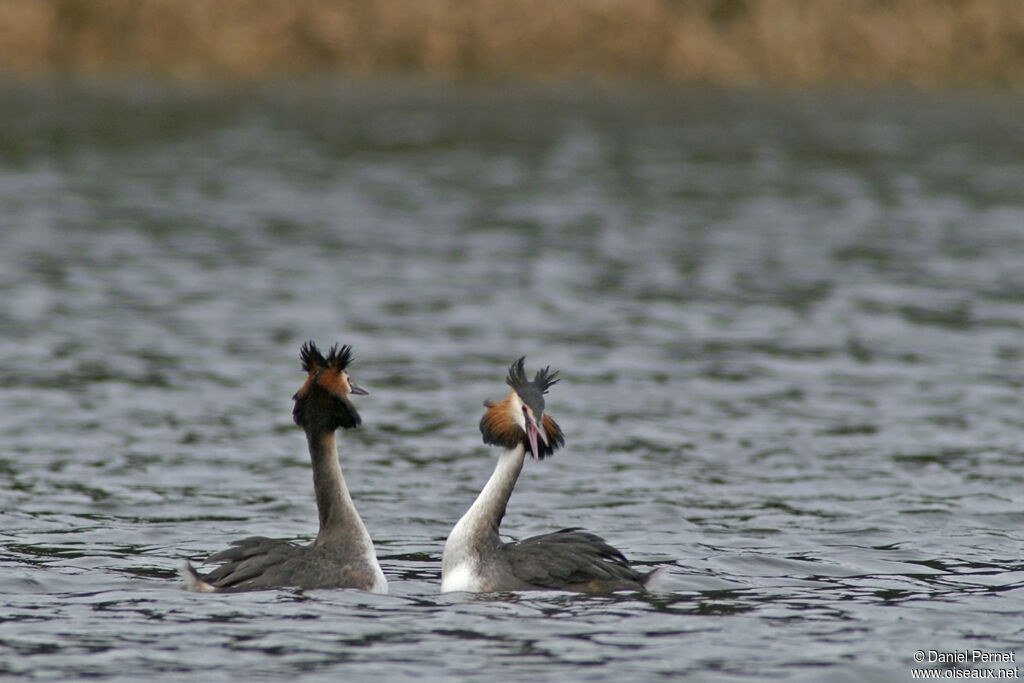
pixel 926 43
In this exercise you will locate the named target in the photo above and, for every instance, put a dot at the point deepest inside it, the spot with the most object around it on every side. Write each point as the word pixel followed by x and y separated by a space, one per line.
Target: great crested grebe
pixel 477 561
pixel 342 556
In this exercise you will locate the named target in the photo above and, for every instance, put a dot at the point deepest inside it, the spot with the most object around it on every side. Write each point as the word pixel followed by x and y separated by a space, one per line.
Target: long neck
pixel 339 521
pixel 478 528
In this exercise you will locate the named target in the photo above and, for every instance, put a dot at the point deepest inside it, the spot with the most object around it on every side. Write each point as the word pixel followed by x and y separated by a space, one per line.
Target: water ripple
pixel 787 325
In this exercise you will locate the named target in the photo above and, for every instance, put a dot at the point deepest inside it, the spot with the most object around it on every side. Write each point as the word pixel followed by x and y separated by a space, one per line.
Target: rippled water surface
pixel 791 332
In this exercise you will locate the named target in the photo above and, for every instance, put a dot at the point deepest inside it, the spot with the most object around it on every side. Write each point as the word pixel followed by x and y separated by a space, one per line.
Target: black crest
pixel 337 358
pixel 516 373
pixel 530 392
pixel 543 380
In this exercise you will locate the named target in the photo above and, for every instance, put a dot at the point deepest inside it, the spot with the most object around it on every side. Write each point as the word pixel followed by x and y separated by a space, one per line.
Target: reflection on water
pixel 789 327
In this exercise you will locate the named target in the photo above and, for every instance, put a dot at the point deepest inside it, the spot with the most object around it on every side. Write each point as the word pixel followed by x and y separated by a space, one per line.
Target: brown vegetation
pixel 928 43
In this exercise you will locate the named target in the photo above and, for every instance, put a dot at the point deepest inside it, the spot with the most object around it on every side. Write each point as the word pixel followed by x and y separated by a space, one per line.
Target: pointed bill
pixel 531 433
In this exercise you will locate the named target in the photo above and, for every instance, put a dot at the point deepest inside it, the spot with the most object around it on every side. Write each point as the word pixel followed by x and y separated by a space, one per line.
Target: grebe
pixel 477 561
pixel 342 556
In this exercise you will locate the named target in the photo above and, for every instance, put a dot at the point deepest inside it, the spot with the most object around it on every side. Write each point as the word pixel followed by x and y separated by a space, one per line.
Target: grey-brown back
pixel 572 559
pixel 258 562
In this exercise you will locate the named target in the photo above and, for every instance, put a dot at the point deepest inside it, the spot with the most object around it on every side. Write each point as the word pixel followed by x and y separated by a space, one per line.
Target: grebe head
pixel 321 403
pixel 519 418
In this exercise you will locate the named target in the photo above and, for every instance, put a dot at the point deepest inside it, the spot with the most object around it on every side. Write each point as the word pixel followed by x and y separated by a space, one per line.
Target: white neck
pixel 475 536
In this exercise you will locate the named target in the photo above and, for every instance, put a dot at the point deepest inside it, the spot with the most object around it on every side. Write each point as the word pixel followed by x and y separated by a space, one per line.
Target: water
pixel 789 326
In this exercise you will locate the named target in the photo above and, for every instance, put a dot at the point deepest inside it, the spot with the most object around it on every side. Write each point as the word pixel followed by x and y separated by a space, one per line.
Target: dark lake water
pixel 790 327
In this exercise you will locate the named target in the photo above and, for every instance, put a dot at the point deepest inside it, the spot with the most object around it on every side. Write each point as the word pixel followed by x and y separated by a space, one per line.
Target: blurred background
pixel 775 249
pixel 929 43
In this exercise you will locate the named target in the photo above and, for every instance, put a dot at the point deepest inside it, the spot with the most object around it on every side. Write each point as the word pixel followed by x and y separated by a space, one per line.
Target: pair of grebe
pixel 475 559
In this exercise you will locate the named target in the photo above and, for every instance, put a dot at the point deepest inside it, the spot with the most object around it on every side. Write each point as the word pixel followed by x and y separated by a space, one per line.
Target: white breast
pixel 380 584
pixel 462 577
